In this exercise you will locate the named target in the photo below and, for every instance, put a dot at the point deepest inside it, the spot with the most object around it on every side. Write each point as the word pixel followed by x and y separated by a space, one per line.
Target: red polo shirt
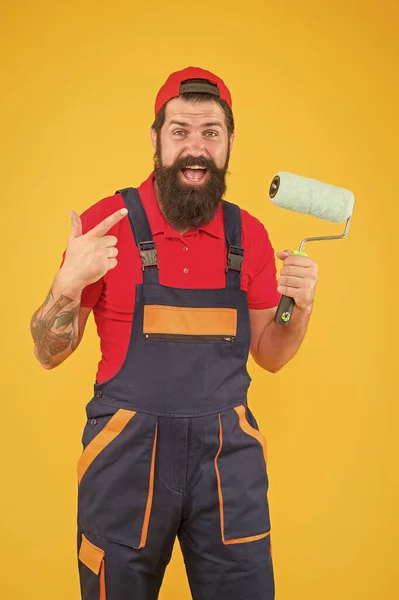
pixel 196 259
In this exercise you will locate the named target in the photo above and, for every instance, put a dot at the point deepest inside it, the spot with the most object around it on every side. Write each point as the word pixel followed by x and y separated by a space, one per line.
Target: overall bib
pixel 170 447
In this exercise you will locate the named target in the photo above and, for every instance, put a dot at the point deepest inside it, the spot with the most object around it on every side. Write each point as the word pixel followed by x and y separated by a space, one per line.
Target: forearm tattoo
pixel 54 329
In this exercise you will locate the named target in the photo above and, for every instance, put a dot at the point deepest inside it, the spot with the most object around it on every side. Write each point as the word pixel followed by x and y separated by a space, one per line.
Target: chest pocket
pixel 184 344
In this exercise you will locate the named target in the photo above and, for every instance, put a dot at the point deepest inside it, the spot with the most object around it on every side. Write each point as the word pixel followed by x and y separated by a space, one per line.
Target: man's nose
pixel 195 145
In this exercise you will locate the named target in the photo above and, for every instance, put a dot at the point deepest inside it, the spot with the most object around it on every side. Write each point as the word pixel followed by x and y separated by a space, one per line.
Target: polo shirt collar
pixel 158 222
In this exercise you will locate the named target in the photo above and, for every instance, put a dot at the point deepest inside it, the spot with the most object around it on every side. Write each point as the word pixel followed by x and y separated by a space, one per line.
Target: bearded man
pixel 182 285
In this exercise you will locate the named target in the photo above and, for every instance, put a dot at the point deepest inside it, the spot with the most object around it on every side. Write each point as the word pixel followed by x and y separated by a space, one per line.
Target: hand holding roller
pixel 314 198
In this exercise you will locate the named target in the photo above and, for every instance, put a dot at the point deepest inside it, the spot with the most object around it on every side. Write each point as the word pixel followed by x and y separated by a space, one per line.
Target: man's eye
pixel 179 132
pixel 211 133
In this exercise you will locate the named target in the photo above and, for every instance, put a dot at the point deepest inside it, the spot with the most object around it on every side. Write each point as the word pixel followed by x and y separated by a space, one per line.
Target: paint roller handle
pixel 284 310
pixel 286 305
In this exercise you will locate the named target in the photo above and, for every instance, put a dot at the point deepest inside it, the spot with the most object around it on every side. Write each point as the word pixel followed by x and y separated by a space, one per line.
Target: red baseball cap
pixel 175 85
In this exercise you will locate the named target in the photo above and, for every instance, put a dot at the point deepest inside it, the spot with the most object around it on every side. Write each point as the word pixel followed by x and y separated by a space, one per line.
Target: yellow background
pixel 315 91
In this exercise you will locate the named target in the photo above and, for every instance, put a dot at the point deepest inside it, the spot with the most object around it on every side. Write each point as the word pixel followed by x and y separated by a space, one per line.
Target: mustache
pixel 192 161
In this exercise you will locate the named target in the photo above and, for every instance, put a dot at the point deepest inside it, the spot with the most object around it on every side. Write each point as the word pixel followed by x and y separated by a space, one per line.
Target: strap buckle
pixel 148 254
pixel 235 259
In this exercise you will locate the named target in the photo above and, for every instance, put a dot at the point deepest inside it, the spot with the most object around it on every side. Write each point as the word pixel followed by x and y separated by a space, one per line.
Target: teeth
pixel 196 167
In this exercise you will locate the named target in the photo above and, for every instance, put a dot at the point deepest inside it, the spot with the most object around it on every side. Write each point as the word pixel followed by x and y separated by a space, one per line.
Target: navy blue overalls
pixel 171 448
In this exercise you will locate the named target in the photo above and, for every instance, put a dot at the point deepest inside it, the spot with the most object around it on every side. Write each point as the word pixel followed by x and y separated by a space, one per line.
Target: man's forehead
pixel 179 109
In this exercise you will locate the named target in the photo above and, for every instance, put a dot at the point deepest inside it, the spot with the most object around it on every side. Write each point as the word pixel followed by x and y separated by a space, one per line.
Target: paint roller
pixel 310 197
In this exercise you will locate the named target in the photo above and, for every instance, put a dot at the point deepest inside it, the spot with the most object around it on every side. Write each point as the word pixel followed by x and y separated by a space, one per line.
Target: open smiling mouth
pixel 194 174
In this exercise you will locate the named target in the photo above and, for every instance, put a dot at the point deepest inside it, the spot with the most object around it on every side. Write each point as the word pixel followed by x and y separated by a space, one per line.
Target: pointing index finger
pixel 107 224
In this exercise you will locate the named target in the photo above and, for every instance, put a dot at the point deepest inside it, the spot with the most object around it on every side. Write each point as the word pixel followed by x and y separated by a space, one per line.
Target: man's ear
pixel 154 136
pixel 231 141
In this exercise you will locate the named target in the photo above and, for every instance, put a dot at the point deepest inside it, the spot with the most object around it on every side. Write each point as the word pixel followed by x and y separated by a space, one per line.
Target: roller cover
pixel 312 197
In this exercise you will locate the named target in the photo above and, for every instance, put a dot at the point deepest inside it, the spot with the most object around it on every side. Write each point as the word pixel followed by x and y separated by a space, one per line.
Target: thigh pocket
pixel 92 574
pixel 242 480
pixel 116 478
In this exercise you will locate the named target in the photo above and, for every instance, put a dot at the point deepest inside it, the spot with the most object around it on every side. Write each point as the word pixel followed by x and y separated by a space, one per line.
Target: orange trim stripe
pixel 221 507
pixel 246 427
pixel 243 540
pixel 103 591
pixel 148 507
pixel 90 555
pixel 252 538
pixel 112 429
pixel 181 320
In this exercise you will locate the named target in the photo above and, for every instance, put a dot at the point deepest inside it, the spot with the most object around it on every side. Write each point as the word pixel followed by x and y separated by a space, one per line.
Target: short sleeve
pixel 262 287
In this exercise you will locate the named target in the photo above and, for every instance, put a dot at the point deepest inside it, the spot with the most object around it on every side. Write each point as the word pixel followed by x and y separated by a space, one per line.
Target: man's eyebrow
pixel 179 123
pixel 182 124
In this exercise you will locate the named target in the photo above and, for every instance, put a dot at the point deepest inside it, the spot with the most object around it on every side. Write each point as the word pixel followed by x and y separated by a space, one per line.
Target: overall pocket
pixel 93 558
pixel 242 480
pixel 116 477
pixel 186 344
pixel 103 436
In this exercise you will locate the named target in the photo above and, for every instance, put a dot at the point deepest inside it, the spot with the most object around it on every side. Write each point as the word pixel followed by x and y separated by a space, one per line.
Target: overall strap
pixel 142 235
pixel 235 255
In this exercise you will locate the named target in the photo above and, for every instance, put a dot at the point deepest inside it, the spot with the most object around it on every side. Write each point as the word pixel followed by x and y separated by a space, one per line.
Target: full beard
pixel 184 205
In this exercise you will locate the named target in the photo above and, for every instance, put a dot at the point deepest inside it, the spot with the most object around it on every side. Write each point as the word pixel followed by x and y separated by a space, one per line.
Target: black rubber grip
pixel 284 310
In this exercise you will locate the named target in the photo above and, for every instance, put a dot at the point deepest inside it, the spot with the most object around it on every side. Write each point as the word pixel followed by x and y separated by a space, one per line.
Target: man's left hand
pixel 298 278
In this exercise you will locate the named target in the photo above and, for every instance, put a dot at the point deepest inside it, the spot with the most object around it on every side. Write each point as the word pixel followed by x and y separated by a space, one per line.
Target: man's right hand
pixel 88 257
